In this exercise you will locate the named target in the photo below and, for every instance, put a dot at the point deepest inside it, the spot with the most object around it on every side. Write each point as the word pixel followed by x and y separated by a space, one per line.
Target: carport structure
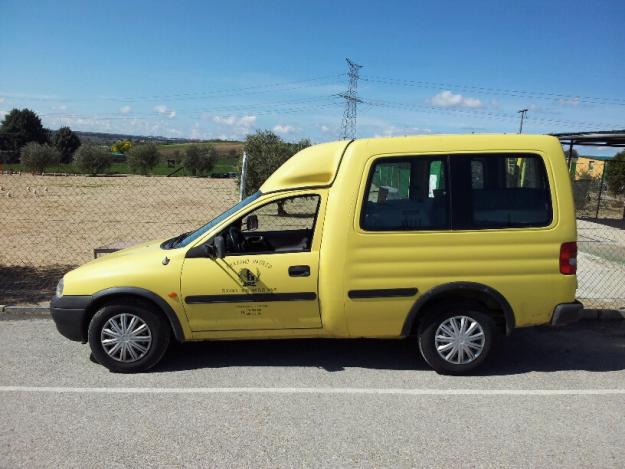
pixel 602 138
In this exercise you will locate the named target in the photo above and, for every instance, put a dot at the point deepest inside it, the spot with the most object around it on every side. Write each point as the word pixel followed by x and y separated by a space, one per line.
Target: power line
pixel 485 114
pixel 348 125
pixel 291 110
pixel 240 91
pixel 497 91
pixel 232 107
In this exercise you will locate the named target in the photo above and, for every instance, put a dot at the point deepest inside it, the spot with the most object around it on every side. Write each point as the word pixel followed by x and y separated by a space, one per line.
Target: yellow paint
pixel 520 263
pixel 588 167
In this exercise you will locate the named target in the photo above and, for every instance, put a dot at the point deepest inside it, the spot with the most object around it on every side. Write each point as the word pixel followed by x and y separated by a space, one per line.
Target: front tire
pixel 456 339
pixel 127 337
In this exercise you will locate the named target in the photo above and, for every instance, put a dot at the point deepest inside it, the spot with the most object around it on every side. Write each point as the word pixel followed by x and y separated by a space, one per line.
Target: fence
pixel 601 232
pixel 50 224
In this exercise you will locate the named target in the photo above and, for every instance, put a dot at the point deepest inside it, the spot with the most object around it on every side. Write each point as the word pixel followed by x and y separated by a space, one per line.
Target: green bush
pixel 36 157
pixel 91 159
pixel 143 158
pixel 615 173
pixel 199 161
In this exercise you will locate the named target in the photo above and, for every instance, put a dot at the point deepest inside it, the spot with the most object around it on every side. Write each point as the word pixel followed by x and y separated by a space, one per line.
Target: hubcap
pixel 126 338
pixel 459 340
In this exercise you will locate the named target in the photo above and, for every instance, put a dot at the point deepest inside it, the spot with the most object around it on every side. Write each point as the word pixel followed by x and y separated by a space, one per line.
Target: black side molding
pixel 383 293
pixel 251 298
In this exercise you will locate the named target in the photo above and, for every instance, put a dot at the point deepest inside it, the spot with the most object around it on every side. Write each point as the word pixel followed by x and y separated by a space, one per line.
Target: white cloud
pixel 325 129
pixel 283 129
pixel 224 120
pixel 569 101
pixel 3 113
pixel 235 127
pixel 247 121
pixel 162 109
pixel 125 109
pixel 2 100
pixel 448 99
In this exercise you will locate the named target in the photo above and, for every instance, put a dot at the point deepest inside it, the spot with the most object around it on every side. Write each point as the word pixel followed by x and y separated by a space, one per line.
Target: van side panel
pixel 386 267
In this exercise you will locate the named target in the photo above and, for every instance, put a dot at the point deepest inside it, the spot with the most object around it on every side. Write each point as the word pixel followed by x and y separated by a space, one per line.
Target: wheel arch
pixel 494 301
pixel 119 293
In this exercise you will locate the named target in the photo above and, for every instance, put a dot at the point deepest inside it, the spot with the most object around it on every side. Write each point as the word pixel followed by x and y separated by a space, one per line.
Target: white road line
pixel 374 391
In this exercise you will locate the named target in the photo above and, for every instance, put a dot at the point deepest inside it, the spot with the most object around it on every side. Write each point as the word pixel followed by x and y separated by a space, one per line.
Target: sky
pixel 204 69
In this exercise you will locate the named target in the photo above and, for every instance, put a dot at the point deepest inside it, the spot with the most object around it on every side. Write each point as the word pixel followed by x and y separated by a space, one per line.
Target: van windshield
pixel 187 238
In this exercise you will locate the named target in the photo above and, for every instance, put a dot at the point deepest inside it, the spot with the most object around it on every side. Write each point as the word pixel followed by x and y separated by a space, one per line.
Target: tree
pixel 121 146
pixel 67 142
pixel 615 173
pixel 143 158
pixel 266 152
pixel 92 159
pixel 20 127
pixel 36 157
pixel 200 160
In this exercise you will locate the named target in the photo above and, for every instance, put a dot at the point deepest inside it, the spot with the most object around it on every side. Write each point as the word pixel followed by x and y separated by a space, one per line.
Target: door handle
pixel 299 271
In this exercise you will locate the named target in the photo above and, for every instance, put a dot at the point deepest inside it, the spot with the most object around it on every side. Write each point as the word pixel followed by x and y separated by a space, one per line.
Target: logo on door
pixel 248 278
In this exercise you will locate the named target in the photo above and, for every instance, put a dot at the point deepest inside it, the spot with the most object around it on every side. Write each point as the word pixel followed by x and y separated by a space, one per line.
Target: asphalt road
pixel 549 398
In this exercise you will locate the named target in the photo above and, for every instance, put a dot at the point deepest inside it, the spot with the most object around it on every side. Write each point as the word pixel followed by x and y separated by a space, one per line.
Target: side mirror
pixel 204 250
pixel 220 246
pixel 251 223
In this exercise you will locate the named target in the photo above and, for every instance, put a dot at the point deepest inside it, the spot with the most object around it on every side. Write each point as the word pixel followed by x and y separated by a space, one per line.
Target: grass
pixel 226 160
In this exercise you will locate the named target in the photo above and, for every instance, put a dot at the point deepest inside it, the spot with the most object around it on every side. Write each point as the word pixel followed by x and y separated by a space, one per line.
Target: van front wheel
pixel 128 338
pixel 456 339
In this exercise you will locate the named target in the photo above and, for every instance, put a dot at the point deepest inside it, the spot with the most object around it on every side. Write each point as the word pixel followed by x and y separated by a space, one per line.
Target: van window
pixel 499 191
pixel 282 226
pixel 406 194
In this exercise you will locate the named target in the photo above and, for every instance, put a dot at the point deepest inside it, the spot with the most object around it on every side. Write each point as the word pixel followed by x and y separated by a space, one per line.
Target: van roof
pixel 316 166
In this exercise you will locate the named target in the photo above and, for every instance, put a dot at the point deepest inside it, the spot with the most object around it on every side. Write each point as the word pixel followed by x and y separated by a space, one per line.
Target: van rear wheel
pixel 456 338
pixel 128 338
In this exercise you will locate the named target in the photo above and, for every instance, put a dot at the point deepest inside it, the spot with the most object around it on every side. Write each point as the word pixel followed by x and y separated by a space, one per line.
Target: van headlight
pixel 59 289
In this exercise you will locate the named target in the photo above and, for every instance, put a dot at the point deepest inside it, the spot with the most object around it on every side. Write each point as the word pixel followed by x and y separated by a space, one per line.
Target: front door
pixel 268 278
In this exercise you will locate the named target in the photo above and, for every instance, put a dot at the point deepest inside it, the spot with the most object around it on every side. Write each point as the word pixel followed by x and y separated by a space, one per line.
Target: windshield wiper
pixel 170 243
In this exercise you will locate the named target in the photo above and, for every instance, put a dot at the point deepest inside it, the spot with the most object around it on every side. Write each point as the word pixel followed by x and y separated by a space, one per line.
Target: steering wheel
pixel 235 239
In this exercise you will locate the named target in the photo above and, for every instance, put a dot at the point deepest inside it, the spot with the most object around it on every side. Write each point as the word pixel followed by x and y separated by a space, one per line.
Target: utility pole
pixel 348 126
pixel 523 112
pixel 243 176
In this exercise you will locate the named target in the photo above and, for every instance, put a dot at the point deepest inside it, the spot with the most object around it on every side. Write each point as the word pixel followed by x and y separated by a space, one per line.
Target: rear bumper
pixel 567 313
pixel 70 316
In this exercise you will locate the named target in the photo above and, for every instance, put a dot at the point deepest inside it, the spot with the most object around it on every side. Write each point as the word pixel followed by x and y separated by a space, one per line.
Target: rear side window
pixel 499 191
pixel 406 194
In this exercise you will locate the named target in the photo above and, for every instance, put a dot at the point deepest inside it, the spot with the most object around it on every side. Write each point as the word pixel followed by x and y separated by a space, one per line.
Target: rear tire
pixel 128 337
pixel 456 338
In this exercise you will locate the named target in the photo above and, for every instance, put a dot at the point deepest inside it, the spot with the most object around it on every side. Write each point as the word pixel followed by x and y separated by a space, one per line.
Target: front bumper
pixel 567 313
pixel 70 316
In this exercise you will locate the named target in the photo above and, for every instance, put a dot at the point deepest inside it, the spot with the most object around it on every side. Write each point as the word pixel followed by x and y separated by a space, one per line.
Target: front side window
pixel 499 191
pixel 284 225
pixel 406 194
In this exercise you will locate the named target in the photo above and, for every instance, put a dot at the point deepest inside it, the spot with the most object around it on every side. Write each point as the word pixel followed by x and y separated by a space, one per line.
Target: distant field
pixel 223 148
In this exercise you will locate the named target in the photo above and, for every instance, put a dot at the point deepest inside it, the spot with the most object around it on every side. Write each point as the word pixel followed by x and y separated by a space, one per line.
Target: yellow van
pixel 452 239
